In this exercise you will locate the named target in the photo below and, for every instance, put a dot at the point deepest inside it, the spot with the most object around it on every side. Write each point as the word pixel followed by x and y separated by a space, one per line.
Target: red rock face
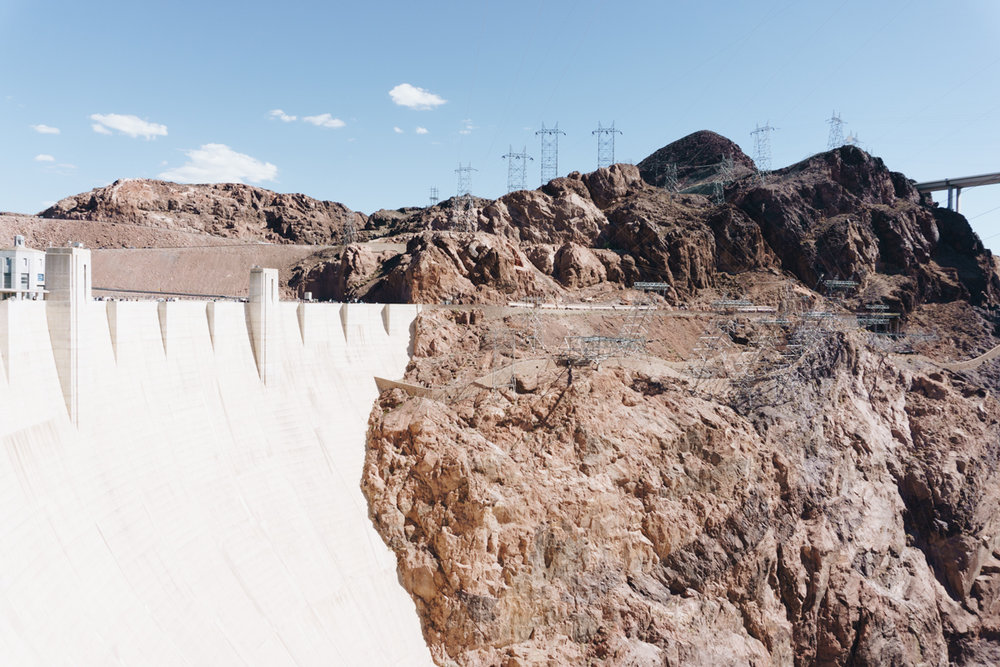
pixel 845 513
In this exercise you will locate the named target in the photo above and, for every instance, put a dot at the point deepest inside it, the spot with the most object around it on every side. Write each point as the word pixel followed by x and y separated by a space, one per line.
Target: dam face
pixel 180 481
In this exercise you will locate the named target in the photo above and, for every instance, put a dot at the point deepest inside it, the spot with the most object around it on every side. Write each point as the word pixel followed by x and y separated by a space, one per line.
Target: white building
pixel 22 271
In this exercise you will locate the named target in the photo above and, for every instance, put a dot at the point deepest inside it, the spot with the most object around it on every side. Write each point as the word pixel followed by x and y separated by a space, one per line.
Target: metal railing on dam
pixel 181 480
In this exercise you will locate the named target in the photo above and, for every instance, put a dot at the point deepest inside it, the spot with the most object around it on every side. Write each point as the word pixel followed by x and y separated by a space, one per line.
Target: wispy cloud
pixel 41 128
pixel 324 120
pixel 218 163
pixel 282 116
pixel 44 158
pixel 421 130
pixel 129 125
pixel 406 95
pixel 397 130
pixel 467 126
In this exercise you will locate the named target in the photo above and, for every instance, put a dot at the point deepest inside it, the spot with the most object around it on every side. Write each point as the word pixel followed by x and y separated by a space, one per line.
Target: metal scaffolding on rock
pixel 631 338
pixel 502 340
pixel 534 321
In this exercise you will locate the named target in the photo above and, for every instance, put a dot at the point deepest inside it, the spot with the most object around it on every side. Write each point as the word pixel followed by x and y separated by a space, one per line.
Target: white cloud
pixel 421 130
pixel 218 163
pixel 406 95
pixel 324 120
pixel 44 158
pixel 45 129
pixel 282 116
pixel 132 126
pixel 397 130
pixel 66 165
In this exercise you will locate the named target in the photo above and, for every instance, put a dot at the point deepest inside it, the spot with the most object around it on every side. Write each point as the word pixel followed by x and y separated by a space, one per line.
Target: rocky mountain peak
pixel 697 158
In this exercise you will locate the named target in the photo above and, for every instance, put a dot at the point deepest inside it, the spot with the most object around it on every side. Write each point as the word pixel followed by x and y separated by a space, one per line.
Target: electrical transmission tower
pixel 836 138
pixel 463 212
pixel 517 174
pixel 434 196
pixel 762 149
pixel 350 233
pixel 670 177
pixel 727 172
pixel 464 179
pixel 605 144
pixel 550 151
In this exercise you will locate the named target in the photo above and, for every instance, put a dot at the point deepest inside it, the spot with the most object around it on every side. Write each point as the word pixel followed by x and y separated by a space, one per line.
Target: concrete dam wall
pixel 179 481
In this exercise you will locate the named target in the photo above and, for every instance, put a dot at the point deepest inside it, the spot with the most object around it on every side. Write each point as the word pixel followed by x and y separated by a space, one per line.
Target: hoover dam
pixel 180 480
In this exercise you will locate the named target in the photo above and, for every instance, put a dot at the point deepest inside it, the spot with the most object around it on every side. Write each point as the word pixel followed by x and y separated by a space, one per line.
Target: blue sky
pixel 189 90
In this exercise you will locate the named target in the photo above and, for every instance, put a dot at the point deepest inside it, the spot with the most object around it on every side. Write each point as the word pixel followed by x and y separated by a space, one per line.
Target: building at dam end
pixel 22 271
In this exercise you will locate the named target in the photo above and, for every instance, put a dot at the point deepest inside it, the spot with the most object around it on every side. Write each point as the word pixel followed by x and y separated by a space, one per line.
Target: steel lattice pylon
pixel 836 137
pixel 464 179
pixel 549 151
pixel 463 212
pixel 670 177
pixel 517 175
pixel 762 149
pixel 350 233
pixel 605 144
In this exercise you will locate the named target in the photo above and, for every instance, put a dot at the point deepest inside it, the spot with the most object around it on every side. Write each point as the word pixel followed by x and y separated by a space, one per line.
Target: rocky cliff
pixel 837 215
pixel 229 210
pixel 843 511
pixel 836 506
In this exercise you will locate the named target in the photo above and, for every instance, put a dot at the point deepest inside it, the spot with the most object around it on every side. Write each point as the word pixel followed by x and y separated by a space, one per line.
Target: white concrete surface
pixel 192 514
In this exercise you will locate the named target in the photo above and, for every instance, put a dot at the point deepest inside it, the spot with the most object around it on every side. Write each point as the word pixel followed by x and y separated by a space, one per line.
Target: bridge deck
pixel 964 182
